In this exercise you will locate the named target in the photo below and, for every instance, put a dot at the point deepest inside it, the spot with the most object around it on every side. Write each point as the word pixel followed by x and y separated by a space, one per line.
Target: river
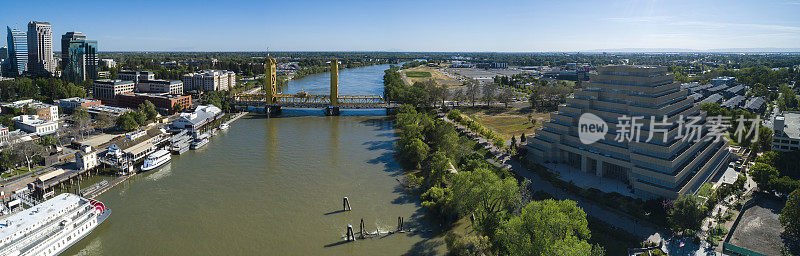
pixel 273 186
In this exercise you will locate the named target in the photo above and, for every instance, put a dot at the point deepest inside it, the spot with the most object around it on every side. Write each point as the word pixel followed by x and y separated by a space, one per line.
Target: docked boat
pixel 180 142
pixel 156 159
pixel 224 126
pixel 199 143
pixel 52 226
pixel 180 148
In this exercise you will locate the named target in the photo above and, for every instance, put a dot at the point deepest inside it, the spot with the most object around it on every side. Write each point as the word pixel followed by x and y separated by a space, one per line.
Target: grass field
pixel 423 73
pixel 507 122
pixel 418 74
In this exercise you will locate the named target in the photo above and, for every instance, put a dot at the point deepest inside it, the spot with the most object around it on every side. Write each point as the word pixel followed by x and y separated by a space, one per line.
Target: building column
pixel 599 168
pixel 584 163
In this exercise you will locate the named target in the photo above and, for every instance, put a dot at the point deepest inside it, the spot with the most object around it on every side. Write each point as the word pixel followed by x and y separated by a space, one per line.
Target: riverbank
pixel 263 176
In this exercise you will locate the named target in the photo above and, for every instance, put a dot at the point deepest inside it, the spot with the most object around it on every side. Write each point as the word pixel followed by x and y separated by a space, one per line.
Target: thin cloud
pixel 640 19
pixel 705 24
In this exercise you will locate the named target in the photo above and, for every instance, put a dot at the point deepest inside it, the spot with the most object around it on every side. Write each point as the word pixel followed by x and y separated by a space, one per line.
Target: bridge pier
pixel 272 110
pixel 332 111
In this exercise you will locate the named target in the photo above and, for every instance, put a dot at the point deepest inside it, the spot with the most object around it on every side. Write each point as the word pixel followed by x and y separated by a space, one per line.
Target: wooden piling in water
pixel 350 235
pixel 361 228
pixel 346 204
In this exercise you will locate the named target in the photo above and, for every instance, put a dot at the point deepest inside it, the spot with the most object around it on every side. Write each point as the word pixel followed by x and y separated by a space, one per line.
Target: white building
pixel 86 159
pixel 105 89
pixel 4 134
pixel 160 86
pixel 209 80
pixel 36 125
pixel 109 63
pixel 201 116
pixel 786 132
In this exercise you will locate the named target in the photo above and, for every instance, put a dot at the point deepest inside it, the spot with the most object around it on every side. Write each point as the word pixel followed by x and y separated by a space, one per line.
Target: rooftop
pixel 754 103
pixel 78 100
pixel 107 109
pixel 201 114
pixel 112 81
pixel 33 120
pixel 24 103
pixel 718 88
pixel 791 122
pixel 713 98
pixel 733 102
pixel 46 210
pixel 735 89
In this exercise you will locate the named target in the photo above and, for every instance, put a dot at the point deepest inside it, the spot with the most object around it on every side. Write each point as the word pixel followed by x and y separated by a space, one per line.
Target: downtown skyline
pixel 417 26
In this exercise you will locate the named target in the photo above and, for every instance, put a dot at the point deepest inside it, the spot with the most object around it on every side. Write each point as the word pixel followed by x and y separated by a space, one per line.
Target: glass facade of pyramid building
pixel 653 168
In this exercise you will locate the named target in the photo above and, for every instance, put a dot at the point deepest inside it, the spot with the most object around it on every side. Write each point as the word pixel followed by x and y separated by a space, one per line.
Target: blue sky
pixel 411 25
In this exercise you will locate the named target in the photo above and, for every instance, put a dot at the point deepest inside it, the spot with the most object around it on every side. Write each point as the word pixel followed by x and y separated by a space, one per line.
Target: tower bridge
pixel 273 101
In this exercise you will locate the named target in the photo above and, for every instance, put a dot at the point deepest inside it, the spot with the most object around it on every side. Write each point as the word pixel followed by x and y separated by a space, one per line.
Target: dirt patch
pixel 759 229
pixel 507 121
pixel 423 73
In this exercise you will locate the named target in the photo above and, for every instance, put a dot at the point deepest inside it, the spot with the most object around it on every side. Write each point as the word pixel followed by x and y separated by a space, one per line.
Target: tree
pixel 784 185
pixel 127 122
pixel 547 227
pixel 439 164
pixel 416 152
pixel 486 195
pixel 458 96
pixel 790 215
pixel 82 119
pixel 438 199
pixel 105 120
pixel 489 93
pixel 472 91
pixel 27 151
pixel 762 174
pixel 148 110
pixel 686 213
pixel 506 96
pixel 7 160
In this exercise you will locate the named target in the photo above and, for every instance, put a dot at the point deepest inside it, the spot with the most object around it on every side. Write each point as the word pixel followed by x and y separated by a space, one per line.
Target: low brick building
pixel 165 103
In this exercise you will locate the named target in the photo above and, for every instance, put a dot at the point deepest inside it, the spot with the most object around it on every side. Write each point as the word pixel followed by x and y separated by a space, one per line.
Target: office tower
pixel 40 49
pixel 65 39
pixel 664 166
pixel 81 61
pixel 17 52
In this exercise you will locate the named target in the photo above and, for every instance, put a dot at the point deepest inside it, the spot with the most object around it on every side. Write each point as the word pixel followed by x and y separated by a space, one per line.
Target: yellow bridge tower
pixel 334 82
pixel 270 87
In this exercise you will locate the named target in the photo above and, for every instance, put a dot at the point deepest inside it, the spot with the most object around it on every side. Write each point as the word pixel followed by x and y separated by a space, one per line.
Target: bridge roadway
pixel 313 101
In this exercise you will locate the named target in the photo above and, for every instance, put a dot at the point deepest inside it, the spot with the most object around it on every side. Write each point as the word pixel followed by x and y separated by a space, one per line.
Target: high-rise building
pixel 17 52
pixel 665 165
pixel 3 53
pixel 65 39
pixel 81 61
pixel 40 49
pixel 69 37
